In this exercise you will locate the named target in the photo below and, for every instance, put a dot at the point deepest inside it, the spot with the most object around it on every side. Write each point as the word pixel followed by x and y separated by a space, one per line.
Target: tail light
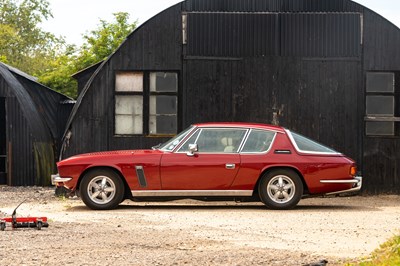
pixel 353 170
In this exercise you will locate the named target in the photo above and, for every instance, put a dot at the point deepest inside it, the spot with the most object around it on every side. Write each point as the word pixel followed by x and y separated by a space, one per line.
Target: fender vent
pixel 141 176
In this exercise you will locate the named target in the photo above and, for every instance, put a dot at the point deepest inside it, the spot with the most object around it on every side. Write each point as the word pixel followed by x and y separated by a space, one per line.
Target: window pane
pixel 307 145
pixel 380 82
pixel 163 105
pixel 191 140
pixel 128 115
pixel 163 82
pixel 380 105
pixel 128 105
pixel 129 81
pixel 220 140
pixel 258 141
pixel 163 114
pixel 380 128
pixel 128 124
pixel 172 143
pixel 163 124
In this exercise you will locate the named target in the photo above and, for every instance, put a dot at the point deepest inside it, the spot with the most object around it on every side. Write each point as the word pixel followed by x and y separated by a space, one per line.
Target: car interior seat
pixel 228 143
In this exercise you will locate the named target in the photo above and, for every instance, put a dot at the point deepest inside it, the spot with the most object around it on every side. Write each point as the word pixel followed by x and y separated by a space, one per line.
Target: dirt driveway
pixel 195 233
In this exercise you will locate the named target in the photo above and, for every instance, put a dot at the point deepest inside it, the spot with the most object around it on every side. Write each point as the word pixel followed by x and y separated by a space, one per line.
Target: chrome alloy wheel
pixel 101 189
pixel 281 189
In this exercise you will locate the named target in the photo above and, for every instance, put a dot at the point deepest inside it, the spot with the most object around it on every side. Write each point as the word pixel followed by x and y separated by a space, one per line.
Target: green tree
pixel 98 45
pixel 103 41
pixel 23 44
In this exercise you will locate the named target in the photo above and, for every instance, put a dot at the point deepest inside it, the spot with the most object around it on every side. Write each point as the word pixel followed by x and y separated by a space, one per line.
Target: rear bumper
pixel 357 184
pixel 57 180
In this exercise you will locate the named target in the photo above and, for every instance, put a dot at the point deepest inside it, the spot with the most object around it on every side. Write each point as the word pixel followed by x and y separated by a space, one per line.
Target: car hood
pixel 105 154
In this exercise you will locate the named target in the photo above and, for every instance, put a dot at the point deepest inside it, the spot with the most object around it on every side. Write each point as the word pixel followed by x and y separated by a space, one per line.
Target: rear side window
pixel 259 141
pixel 304 144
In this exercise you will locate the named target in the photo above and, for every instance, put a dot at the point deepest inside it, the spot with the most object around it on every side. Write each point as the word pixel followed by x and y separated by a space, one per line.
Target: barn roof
pixel 32 115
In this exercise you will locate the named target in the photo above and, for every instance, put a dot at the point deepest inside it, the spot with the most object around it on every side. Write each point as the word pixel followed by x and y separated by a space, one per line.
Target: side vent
pixel 141 176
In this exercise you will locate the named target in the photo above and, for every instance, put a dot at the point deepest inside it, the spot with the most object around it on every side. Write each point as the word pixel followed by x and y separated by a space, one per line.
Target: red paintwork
pixel 25 219
pixel 177 171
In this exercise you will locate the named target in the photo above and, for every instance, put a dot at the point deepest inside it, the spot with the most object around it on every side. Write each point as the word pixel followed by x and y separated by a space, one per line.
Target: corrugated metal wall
pixel 320 34
pixel 281 34
pixel 228 34
pixel 381 155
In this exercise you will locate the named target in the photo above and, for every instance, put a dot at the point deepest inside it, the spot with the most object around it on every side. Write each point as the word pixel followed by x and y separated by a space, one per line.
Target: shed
pixel 329 69
pixel 32 121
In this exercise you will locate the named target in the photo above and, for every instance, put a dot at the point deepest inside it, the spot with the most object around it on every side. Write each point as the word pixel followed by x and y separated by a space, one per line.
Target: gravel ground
pixel 189 232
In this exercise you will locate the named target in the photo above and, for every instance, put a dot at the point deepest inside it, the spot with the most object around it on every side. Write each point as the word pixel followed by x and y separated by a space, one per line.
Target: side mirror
pixel 192 149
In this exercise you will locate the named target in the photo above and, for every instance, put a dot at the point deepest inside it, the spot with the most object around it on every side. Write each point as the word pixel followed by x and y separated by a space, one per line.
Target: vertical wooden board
pixel 20 139
pixel 208 90
pixel 381 159
pixel 312 95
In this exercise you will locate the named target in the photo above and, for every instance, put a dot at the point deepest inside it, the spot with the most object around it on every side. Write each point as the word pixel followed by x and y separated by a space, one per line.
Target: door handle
pixel 230 166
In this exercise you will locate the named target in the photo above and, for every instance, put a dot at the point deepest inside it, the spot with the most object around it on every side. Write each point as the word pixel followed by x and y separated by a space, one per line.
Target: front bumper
pixel 357 181
pixel 57 180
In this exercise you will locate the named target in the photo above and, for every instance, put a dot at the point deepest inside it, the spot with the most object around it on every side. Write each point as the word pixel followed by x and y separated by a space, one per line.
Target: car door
pixel 213 167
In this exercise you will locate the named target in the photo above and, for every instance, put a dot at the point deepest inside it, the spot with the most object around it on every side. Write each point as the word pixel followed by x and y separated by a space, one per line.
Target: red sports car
pixel 213 161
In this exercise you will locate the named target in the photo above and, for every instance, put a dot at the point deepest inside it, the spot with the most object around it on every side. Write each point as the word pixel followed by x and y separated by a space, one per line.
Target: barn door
pixel 3 142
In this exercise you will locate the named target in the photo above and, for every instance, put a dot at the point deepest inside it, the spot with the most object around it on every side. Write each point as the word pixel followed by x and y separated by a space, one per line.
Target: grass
pixel 388 254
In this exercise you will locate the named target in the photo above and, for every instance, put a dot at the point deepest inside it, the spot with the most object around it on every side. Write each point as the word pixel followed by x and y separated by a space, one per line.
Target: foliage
pixel 387 255
pixel 99 44
pixel 23 44
pixel 103 41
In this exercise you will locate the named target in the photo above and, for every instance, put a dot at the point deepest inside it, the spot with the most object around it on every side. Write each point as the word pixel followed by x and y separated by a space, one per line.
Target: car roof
pixel 241 124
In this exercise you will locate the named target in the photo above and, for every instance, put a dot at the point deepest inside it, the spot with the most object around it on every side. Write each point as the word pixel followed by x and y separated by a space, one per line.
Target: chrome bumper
pixel 56 179
pixel 357 181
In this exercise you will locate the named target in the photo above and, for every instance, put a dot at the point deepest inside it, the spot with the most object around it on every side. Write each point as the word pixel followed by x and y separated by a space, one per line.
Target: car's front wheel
pixel 102 189
pixel 280 189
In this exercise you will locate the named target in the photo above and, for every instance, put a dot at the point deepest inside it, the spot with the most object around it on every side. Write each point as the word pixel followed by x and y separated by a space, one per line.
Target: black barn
pixel 329 69
pixel 32 121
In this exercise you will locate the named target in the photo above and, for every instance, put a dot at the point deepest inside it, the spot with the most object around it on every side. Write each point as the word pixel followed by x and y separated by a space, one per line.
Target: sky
pixel 73 18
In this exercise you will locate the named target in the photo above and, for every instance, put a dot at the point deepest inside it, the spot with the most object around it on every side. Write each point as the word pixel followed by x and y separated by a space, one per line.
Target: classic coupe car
pixel 213 161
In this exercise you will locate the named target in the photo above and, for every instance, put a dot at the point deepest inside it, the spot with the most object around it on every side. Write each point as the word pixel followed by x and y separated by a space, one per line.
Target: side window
pixel 258 141
pixel 218 140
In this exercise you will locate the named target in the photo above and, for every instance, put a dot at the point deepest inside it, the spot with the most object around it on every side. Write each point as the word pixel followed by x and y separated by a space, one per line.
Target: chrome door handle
pixel 230 166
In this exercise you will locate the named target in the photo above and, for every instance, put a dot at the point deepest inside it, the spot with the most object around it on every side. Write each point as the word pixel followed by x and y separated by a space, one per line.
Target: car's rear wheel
pixel 102 189
pixel 280 189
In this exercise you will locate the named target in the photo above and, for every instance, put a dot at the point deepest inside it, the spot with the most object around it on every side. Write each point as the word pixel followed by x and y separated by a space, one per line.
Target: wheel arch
pixel 127 190
pixel 272 168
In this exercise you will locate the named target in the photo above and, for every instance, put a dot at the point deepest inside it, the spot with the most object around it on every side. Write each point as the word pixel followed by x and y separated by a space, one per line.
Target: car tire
pixel 280 189
pixel 102 189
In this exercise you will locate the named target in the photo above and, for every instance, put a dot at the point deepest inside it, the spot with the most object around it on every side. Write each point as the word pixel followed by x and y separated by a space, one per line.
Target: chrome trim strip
pixel 244 139
pixel 55 179
pixel 356 188
pixel 339 181
pixel 191 193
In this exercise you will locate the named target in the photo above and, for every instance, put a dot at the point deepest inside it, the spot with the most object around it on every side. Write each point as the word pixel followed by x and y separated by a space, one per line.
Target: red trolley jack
pixel 23 222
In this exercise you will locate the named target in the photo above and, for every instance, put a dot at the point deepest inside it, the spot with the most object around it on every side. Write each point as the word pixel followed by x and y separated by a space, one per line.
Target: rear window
pixel 304 144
